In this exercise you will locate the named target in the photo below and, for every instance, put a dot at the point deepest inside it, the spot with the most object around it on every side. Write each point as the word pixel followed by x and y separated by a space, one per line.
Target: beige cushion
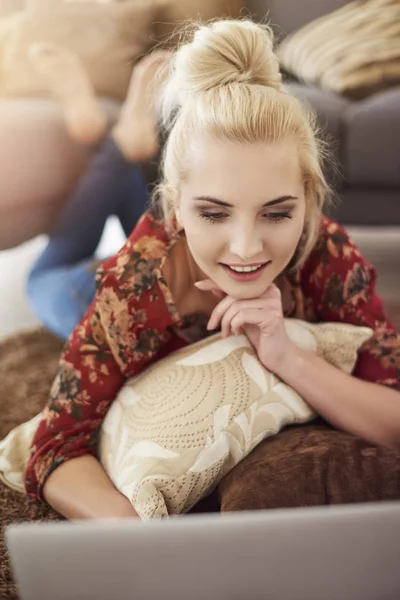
pixel 175 13
pixel 176 429
pixel 354 50
pixel 108 38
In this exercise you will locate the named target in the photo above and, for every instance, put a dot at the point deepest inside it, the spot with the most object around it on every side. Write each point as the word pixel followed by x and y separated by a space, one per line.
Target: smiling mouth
pixel 246 268
pixel 245 273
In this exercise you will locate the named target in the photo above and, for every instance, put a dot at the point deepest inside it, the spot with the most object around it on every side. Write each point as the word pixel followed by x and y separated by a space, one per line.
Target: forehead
pixel 224 168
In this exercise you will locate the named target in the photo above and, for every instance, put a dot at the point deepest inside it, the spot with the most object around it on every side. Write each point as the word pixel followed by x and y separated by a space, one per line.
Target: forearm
pixel 81 489
pixel 365 409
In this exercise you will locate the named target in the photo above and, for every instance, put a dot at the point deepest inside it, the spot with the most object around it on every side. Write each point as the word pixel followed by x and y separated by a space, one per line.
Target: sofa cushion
pixel 173 13
pixel 107 37
pixel 364 135
pixel 286 16
pixel 371 151
pixel 354 51
pixel 331 109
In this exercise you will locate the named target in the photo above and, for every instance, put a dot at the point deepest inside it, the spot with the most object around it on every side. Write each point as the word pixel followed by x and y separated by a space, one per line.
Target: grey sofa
pixel 366 133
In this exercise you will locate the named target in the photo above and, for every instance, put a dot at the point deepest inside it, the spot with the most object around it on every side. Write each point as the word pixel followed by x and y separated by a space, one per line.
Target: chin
pixel 246 291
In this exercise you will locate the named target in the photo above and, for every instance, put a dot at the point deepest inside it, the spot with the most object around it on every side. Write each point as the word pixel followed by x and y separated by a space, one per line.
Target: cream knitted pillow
pixel 354 50
pixel 107 37
pixel 177 428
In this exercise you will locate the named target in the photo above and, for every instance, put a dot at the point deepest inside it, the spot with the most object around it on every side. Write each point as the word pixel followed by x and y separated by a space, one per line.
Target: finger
pixel 238 306
pixel 219 312
pixel 226 309
pixel 267 325
pixel 248 316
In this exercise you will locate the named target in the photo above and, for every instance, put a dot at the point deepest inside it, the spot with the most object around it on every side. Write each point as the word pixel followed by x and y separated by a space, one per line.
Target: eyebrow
pixel 222 203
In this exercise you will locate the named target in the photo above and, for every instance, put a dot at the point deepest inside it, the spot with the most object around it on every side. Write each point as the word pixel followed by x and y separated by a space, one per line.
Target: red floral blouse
pixel 133 321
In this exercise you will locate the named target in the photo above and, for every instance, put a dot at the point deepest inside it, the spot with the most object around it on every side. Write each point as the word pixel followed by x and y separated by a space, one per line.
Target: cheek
pixel 203 248
pixel 193 230
pixel 283 239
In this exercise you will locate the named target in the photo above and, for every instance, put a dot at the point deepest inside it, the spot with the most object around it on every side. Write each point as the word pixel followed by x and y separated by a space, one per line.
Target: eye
pixel 277 217
pixel 213 217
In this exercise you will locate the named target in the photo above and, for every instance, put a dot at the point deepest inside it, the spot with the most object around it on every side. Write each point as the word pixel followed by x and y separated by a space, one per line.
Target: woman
pixel 241 245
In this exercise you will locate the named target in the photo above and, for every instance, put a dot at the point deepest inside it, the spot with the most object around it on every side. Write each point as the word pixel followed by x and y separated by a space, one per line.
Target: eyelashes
pixel 212 217
pixel 275 217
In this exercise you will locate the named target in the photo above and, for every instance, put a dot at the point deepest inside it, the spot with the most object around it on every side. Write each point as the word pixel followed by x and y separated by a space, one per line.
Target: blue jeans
pixel 61 284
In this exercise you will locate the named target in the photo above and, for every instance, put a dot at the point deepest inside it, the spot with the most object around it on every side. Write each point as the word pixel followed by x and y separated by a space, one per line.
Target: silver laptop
pixel 348 552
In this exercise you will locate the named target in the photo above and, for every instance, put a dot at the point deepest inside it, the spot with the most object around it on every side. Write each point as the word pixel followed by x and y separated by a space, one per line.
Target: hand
pixel 260 319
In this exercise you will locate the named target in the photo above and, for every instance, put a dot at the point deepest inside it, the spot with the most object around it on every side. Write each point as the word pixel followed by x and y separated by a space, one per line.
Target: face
pixel 242 208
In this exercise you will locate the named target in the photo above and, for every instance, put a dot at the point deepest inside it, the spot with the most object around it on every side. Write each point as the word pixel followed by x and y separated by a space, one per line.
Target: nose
pixel 246 243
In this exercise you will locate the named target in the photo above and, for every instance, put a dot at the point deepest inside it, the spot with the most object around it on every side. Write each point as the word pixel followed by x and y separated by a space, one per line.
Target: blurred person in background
pixel 61 283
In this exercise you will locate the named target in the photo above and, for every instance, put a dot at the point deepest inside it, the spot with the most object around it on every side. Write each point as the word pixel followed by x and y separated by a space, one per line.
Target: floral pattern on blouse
pixel 133 322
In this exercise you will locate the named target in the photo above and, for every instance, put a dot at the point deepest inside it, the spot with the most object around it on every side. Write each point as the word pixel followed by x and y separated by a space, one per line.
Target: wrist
pixel 293 364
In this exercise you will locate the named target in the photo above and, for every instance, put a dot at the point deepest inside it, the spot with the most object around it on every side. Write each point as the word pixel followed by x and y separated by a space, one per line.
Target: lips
pixel 245 276
pixel 240 267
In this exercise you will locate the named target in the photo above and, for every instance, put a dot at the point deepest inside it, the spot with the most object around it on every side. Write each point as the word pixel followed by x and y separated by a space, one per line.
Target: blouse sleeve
pixel 340 284
pixel 124 329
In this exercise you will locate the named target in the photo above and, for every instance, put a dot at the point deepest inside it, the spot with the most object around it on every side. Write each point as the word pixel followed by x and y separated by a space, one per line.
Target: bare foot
pixel 67 79
pixel 136 129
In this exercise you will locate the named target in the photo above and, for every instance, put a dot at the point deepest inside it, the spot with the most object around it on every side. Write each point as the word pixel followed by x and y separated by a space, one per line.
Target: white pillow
pixel 175 430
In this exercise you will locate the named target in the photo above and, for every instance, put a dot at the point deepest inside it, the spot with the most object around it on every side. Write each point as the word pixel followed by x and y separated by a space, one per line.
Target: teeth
pixel 244 269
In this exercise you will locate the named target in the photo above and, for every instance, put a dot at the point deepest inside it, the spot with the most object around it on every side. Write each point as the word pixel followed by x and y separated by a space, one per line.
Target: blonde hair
pixel 226 82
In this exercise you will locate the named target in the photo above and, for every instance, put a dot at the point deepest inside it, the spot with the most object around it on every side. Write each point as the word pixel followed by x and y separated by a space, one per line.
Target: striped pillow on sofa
pixel 354 51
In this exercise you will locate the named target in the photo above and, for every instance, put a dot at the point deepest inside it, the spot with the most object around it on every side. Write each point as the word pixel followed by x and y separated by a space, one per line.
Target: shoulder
pixel 134 269
pixel 333 242
pixel 336 272
pixel 340 285
pixel 129 304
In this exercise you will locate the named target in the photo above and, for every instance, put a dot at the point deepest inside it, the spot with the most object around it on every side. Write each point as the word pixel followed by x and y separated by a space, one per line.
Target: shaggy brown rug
pixel 302 466
pixel 28 363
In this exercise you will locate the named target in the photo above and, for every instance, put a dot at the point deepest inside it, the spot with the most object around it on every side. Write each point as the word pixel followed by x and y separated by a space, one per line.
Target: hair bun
pixel 224 52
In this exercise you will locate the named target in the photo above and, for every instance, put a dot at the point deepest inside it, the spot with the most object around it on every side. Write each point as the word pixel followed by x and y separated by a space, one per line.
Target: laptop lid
pixel 348 552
